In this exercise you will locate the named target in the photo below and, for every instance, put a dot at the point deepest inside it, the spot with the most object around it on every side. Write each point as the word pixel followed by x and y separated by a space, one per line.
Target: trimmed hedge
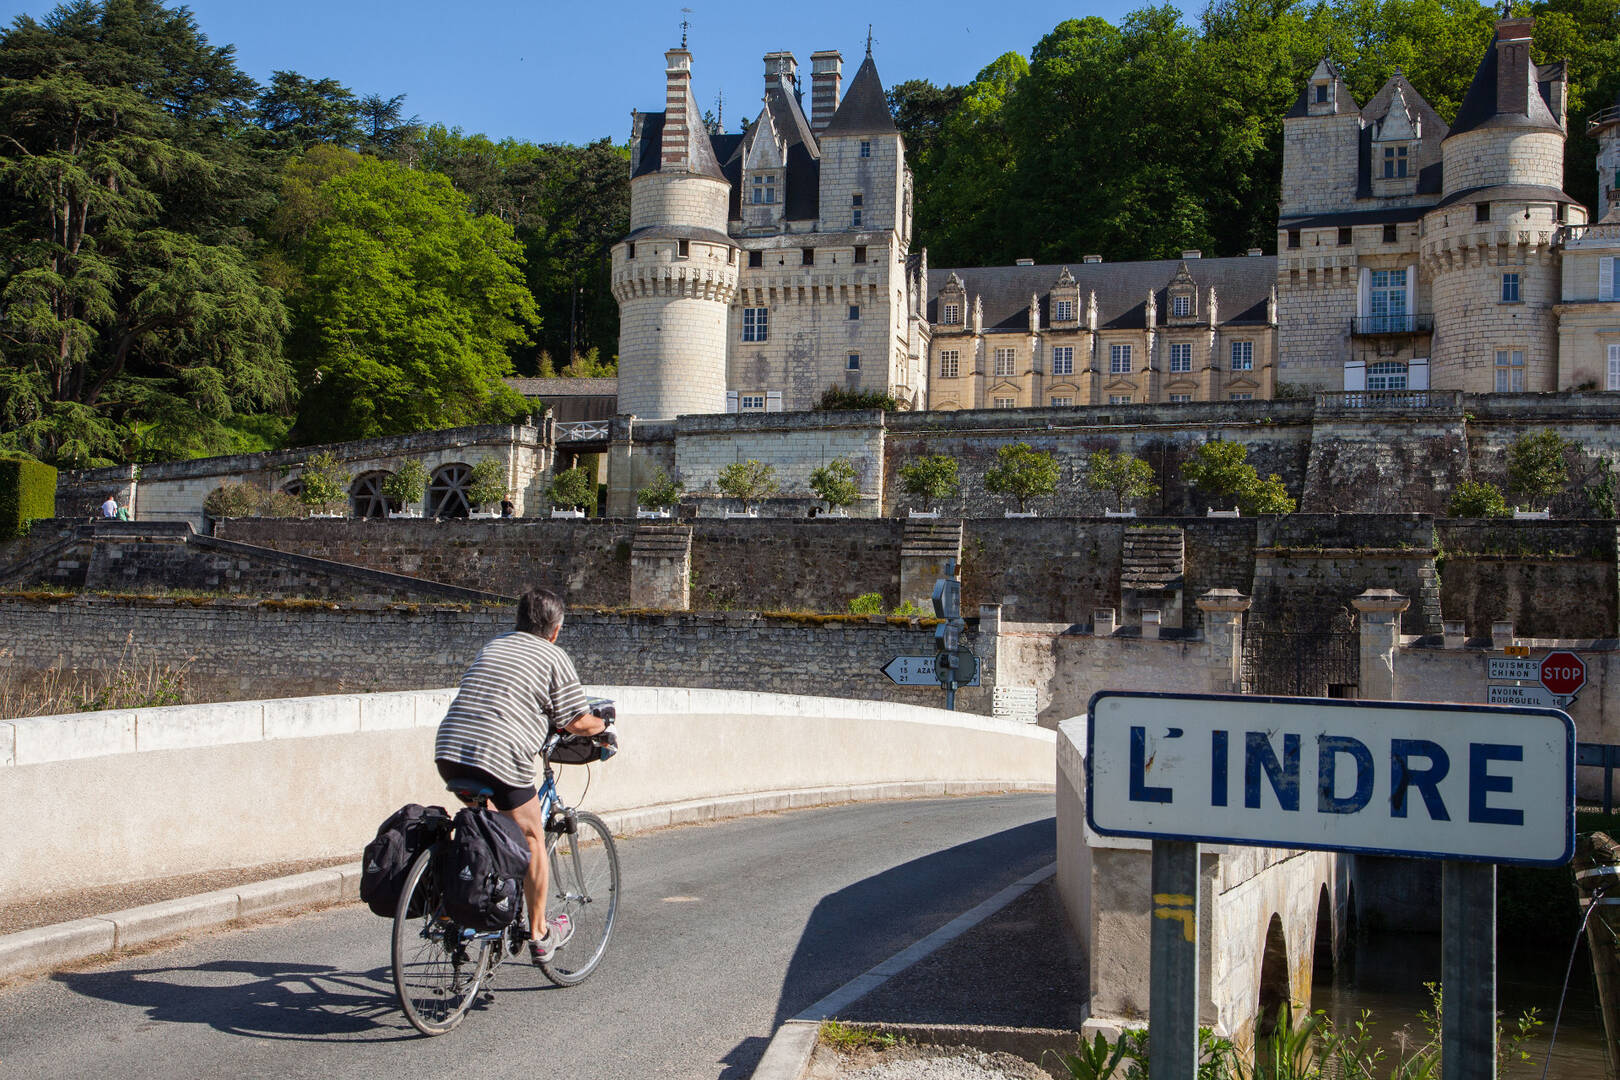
pixel 27 491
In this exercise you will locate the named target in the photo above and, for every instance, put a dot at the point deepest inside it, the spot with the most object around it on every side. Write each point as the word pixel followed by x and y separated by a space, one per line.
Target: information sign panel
pixel 1401 778
pixel 1535 697
pixel 1513 668
pixel 919 670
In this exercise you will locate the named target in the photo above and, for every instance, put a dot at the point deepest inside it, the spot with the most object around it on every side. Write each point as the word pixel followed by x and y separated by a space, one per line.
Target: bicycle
pixel 439 967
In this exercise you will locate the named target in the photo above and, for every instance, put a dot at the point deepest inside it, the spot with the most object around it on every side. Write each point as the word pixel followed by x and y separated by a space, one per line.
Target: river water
pixel 1384 974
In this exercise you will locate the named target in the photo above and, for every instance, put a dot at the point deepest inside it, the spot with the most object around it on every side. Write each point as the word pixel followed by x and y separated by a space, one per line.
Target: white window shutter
pixel 731 401
pixel 773 401
pixel 1614 368
pixel 1355 373
pixel 1411 289
pixel 1364 293
pixel 1417 374
pixel 1605 278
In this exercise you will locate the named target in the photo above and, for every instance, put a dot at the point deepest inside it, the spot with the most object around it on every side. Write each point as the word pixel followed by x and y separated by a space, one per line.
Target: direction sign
pixel 1513 668
pixel 919 670
pixel 1516 650
pixel 1400 778
pixel 1563 673
pixel 1535 697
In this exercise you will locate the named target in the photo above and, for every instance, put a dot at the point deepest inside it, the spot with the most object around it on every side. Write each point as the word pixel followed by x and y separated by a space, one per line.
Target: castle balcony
pixel 1448 401
pixel 1605 235
pixel 1602 118
pixel 1391 325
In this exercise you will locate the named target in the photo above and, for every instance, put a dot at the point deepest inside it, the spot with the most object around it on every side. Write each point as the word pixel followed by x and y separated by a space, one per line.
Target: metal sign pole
pixel 1173 969
pixel 1468 970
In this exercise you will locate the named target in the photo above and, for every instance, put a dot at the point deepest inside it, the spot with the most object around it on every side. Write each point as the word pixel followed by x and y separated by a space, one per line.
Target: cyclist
pixel 520 687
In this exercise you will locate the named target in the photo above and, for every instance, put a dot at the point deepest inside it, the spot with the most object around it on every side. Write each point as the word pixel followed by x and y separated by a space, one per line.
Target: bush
pixel 279 504
pixel 325 482
pixel 839 399
pixel 573 487
pixel 661 492
pixel 835 483
pixel 933 477
pixel 1022 472
pixel 1477 500
pixel 407 484
pixel 748 481
pixel 232 500
pixel 27 492
pixel 1537 468
pixel 867 604
pixel 487 484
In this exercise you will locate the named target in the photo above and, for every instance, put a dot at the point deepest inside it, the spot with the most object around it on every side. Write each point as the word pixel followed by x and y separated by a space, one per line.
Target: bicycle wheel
pixel 585 887
pixel 437 970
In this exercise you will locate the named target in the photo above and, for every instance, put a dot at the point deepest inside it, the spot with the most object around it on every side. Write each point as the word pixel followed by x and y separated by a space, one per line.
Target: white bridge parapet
pixel 147 793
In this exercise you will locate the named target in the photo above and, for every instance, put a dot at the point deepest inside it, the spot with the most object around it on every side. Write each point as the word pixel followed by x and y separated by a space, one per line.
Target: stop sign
pixel 1563 673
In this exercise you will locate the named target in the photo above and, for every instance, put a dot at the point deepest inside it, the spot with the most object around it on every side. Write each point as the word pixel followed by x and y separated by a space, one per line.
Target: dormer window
pixel 1063 311
pixel 1321 93
pixel 951 314
pixel 1181 306
pixel 866 148
pixel 1394 162
pixel 764 189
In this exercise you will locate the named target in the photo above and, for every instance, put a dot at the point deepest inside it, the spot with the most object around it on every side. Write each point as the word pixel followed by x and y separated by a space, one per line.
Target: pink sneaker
pixel 559 930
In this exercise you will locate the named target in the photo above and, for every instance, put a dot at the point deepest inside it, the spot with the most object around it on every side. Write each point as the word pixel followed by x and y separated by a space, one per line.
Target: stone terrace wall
pixel 1276 433
pixel 1042 569
pixel 1220 555
pixel 1590 420
pixel 586 561
pixel 246 649
pixel 1310 566
pixel 815 565
pixel 1549 578
pixel 1385 461
pixel 795 443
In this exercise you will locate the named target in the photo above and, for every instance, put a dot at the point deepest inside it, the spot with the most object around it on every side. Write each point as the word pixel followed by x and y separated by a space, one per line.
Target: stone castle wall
pixel 1548 578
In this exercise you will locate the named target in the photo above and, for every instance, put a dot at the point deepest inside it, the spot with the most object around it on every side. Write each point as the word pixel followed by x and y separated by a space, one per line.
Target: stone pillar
pixel 1502 634
pixel 1380 617
pixel 1150 624
pixel 1456 633
pixel 1223 629
pixel 924 547
pixel 1102 622
pixel 661 567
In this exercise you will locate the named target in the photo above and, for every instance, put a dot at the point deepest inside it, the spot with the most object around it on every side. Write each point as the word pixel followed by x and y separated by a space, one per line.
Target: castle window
pixel 1386 301
pixel 1394 162
pixel 1345 237
pixel 1181 306
pixel 855 218
pixel 1614 368
pixel 1063 311
pixel 1119 359
pixel 1180 358
pixel 952 314
pixel 630 251
pixel 854 312
pixel 1240 397
pixel 1509 371
pixel 751 402
pixel 683 249
pixel 860 253
pixel 1386 375
pixel 854 362
pixel 1063 360
pixel 949 363
pixel 1242 356
pixel 866 148
pixel 1006 361
pixel 1510 288
pixel 764 189
pixel 1391 234
pixel 1482 211
pixel 1180 399
pixel 1119 399
pixel 856 199
pixel 807 257
pixel 1321 93
pixel 756 258
pixel 1004 403
pixel 755 324
pixel 1062 402
pixel 1293 238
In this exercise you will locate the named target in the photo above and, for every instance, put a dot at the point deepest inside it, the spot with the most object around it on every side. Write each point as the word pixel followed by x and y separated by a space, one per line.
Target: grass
pixel 127 685
pixel 848 1037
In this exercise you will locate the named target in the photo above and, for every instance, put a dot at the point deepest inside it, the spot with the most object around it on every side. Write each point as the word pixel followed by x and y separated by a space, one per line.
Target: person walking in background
pixel 109 509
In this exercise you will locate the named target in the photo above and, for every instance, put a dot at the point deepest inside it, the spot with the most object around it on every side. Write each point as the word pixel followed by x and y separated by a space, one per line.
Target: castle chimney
pixel 1513 65
pixel 677 156
pixel 781 69
pixel 826 82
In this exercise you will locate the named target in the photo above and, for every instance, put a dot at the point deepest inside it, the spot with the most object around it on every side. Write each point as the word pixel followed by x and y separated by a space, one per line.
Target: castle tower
pixel 1604 126
pixel 1488 245
pixel 675 274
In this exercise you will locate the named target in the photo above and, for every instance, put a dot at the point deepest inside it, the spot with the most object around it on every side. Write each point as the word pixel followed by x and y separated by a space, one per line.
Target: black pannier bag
pixel 484 870
pixel 387 859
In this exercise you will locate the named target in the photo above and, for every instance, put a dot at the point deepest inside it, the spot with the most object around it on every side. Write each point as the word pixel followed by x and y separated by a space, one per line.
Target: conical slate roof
pixel 1479 104
pixel 864 110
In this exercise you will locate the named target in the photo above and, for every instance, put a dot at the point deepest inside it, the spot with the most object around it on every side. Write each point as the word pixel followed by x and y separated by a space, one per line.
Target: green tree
pixel 1122 475
pixel 324 483
pixel 661 492
pixel 1268 496
pixel 574 487
pixel 1022 472
pixel 488 483
pixel 1477 499
pixel 299 112
pixel 1220 470
pixel 383 124
pixel 748 481
pixel 931 478
pixel 1538 465
pixel 406 484
pixel 835 483
pixel 406 304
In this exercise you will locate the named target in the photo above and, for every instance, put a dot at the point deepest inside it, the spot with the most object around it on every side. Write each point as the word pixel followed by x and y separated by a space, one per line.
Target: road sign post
pixel 948 661
pixel 1468 970
pixel 1173 965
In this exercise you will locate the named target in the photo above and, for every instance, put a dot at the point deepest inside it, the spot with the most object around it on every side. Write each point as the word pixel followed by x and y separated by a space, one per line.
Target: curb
pixel 48 947
pixel 788 1054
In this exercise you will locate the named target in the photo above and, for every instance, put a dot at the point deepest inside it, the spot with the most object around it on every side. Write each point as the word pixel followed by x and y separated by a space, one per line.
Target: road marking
pixel 865 983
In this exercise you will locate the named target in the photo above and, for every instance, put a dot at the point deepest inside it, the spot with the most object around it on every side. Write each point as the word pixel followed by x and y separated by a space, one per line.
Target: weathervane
pixel 868 39
pixel 685 25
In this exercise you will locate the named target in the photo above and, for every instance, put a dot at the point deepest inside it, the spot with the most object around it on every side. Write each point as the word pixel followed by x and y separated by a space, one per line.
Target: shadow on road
pixel 261 999
pixel 861 925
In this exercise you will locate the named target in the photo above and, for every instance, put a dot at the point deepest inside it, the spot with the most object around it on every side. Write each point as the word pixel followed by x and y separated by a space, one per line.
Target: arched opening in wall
pixel 366 498
pixel 1322 958
pixel 1274 997
pixel 447 491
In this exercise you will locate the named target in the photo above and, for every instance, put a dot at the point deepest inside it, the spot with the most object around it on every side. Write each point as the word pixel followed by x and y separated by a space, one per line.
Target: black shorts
pixel 505 797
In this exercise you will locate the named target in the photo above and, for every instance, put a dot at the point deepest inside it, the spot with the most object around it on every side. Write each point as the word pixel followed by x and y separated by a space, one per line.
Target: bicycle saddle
pixel 470 792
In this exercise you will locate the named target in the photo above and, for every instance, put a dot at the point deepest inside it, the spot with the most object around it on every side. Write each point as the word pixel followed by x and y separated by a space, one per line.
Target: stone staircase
pixel 1153 573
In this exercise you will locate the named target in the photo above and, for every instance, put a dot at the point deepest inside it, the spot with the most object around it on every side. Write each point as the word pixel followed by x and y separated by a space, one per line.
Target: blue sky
pixel 551 72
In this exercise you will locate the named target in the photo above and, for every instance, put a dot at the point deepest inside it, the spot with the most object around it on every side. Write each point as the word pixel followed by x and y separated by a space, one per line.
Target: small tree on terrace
pixel 573 487
pixel 930 478
pixel 324 483
pixel 1477 499
pixel 407 484
pixel 835 483
pixel 1022 472
pixel 1125 476
pixel 661 492
pixel 1220 470
pixel 1538 466
pixel 487 482
pixel 748 481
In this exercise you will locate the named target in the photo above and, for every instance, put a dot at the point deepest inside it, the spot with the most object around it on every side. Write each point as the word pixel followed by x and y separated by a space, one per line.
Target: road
pixel 725 931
